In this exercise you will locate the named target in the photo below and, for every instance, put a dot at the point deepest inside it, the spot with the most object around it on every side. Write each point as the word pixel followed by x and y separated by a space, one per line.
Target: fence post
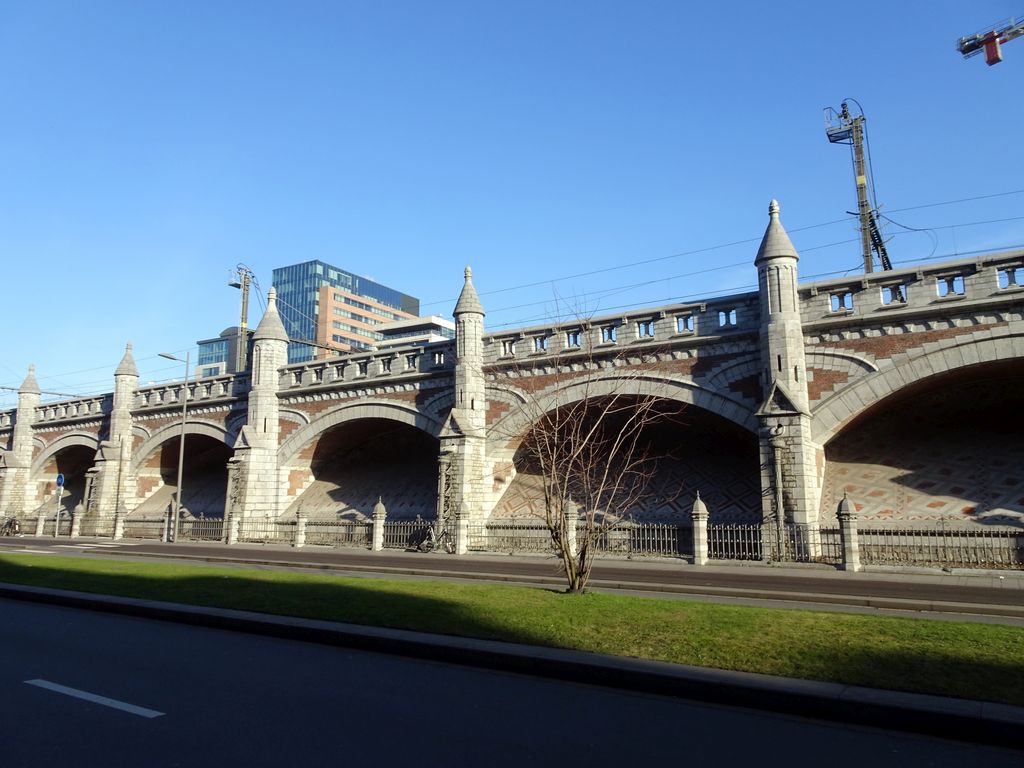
pixel 40 524
pixel 699 516
pixel 848 535
pixel 462 530
pixel 571 516
pixel 380 516
pixel 232 527
pixel 300 530
pixel 76 520
pixel 119 522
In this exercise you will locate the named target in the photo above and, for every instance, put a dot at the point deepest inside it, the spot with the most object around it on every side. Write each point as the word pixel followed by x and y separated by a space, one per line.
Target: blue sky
pixel 147 148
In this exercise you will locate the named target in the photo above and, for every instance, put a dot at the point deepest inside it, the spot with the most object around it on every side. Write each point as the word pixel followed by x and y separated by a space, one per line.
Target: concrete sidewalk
pixel 959 719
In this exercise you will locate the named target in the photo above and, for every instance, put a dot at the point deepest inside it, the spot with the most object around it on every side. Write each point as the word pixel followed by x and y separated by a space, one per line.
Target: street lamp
pixel 181 444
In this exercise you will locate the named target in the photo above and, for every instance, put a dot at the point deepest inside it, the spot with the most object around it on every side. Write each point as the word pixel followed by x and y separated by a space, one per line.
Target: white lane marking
pixel 95 698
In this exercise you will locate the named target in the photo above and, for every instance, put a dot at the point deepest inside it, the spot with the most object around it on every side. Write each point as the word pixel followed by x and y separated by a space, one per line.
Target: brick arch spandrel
pixel 66 440
pixel 835 412
pixel 508 428
pixel 151 445
pixel 308 434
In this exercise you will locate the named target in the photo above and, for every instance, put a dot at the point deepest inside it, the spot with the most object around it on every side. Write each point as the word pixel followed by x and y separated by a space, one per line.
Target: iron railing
pixel 201 529
pixel 403 534
pixel 339 533
pixel 266 530
pixel 942 547
pixel 735 542
pixel 145 527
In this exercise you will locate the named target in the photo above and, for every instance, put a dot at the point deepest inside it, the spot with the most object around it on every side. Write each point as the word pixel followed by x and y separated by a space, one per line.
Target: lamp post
pixel 181 444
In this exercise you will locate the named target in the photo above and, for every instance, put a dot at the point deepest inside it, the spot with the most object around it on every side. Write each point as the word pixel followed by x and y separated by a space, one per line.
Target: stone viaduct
pixel 901 389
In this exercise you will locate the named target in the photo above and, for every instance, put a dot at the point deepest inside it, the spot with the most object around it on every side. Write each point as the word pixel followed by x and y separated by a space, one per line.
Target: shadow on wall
pixel 698 450
pixel 359 461
pixel 949 450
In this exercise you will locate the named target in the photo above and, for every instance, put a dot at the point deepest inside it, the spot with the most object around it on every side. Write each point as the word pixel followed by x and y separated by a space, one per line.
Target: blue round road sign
pixel 60 481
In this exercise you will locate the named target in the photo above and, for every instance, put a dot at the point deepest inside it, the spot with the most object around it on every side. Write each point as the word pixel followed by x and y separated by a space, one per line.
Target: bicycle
pixel 432 541
pixel 11 527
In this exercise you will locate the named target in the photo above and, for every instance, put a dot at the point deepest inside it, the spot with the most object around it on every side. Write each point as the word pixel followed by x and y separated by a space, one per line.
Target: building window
pixel 684 323
pixel 894 294
pixel 363 367
pixel 950 286
pixel 645 329
pixel 410 362
pixel 841 302
pixel 1011 277
pixel 439 358
pixel 573 338
pixel 508 348
pixel 213 370
pixel 609 334
pixel 727 318
pixel 540 343
pixel 385 364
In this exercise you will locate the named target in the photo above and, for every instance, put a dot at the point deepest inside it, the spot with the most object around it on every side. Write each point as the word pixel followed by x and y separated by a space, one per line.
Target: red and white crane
pixel 990 40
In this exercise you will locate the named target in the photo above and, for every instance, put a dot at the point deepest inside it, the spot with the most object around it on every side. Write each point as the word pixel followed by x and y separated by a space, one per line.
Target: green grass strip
pixel 967 660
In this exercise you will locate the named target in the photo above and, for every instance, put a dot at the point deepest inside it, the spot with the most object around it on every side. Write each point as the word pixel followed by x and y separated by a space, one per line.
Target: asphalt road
pixel 956 593
pixel 92 689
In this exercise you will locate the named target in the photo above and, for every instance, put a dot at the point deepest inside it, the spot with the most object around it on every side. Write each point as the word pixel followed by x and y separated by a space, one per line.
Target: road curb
pixel 960 719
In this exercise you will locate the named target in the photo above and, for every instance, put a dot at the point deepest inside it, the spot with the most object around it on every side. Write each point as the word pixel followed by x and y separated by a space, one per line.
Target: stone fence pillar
pixel 232 526
pixel 119 514
pixel 300 530
pixel 571 511
pixel 380 516
pixel 76 521
pixel 462 531
pixel 848 535
pixel 699 516
pixel 40 524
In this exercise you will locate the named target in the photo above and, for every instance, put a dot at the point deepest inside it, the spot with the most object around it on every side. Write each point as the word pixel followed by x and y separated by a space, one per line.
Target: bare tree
pixel 590 443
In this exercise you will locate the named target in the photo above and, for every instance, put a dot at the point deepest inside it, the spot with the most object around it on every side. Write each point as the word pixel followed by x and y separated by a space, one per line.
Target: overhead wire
pixel 621 289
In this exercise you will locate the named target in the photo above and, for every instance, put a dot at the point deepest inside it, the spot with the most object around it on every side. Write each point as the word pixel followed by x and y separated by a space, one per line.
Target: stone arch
pixel 831 415
pixel 208 448
pixel 944 450
pixel 171 431
pixel 712 448
pixel 365 409
pixel 685 393
pixel 72 454
pixel 337 466
pixel 65 441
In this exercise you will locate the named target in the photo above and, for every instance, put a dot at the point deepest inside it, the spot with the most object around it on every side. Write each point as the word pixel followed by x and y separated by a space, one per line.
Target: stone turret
pixel 463 440
pixel 782 338
pixel 15 489
pixel 254 485
pixel 470 400
pixel 788 456
pixel 108 484
pixel 126 382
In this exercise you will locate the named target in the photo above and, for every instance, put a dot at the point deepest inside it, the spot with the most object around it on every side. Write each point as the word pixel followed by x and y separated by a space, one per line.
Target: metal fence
pixel 266 530
pixel 626 539
pixel 734 542
pixel 145 527
pixel 511 536
pixel 339 533
pixel 201 529
pixel 403 534
pixel 943 547
pixel 96 528
pixel 654 539
pixel 797 543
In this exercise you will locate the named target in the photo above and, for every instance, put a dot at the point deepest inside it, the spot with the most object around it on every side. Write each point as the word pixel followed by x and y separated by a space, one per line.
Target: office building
pixel 335 309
